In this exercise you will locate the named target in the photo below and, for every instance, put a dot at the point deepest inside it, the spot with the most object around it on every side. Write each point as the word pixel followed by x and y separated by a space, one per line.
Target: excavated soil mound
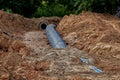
pixel 88 29
pixel 14 23
pixel 26 54
pixel 97 34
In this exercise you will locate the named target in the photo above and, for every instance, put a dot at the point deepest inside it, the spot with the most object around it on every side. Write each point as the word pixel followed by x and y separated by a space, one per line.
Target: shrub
pixel 102 6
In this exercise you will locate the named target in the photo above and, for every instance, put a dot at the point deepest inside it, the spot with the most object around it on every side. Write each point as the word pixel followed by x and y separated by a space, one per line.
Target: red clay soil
pixel 25 53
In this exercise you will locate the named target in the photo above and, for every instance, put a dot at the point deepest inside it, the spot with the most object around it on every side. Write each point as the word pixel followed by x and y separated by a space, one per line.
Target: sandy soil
pixel 25 53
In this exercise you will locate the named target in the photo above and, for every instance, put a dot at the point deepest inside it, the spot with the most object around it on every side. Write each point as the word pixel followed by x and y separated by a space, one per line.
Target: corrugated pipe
pixel 54 38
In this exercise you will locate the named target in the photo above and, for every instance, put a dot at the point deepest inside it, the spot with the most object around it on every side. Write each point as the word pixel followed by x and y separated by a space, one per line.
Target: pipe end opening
pixel 43 26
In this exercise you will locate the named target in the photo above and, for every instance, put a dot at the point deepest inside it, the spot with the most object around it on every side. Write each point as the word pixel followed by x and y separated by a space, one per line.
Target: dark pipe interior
pixel 43 26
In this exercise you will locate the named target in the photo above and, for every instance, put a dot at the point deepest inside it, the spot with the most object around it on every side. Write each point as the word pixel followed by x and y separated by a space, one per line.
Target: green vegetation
pixel 38 8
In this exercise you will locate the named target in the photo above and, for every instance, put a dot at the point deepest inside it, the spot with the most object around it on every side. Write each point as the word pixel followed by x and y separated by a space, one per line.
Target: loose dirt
pixel 96 34
pixel 26 54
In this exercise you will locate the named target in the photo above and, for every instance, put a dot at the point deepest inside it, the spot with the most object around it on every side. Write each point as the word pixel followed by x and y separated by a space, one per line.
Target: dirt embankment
pixel 25 53
pixel 97 34
pixel 88 29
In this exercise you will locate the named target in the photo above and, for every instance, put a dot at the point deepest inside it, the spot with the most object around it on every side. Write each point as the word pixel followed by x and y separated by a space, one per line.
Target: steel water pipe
pixel 54 38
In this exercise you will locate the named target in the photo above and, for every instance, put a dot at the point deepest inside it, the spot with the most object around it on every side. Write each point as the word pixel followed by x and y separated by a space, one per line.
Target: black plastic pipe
pixel 42 26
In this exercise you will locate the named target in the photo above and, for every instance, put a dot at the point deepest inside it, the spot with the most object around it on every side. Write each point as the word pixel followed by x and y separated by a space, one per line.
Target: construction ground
pixel 26 54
